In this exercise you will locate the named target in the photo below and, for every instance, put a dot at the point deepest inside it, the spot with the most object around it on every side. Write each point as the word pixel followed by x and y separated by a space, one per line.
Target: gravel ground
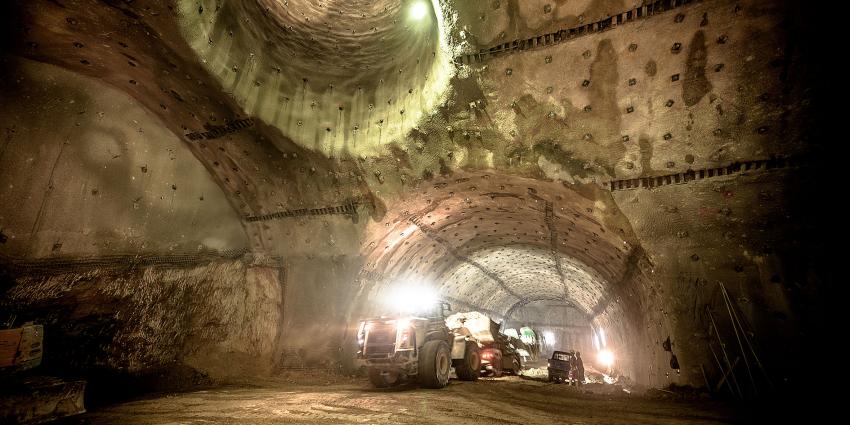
pixel 505 400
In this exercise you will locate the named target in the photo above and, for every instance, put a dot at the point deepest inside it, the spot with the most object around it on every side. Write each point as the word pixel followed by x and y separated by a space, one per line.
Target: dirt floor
pixel 506 400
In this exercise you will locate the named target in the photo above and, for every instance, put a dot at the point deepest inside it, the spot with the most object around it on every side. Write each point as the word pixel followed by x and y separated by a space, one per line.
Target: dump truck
pixel 499 352
pixel 417 348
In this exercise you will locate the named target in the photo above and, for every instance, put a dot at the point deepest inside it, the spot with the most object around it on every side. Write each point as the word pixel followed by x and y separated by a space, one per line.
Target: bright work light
pixel 418 10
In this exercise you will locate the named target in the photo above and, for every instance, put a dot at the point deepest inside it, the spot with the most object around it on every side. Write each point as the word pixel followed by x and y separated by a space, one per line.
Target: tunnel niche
pixel 504 245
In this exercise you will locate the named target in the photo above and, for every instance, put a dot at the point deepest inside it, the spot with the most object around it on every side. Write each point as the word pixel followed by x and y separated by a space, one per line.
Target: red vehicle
pixel 500 356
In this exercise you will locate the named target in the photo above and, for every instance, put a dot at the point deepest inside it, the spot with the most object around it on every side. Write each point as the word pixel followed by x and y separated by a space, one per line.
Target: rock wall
pixel 709 234
pixel 218 319
pixel 87 170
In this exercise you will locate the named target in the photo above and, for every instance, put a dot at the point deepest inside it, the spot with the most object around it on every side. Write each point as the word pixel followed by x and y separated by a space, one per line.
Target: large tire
pixel 469 369
pixel 435 361
pixel 380 381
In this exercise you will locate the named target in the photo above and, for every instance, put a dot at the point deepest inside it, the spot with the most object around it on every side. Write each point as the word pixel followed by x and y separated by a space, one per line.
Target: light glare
pixel 605 358
pixel 418 10
pixel 411 299
pixel 550 337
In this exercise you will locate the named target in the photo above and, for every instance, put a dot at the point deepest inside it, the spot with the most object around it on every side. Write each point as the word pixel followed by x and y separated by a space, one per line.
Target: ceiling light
pixel 418 10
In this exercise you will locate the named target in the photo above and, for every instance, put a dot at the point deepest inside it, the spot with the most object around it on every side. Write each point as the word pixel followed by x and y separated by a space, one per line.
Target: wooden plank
pixel 30 349
pixel 9 341
pixel 21 348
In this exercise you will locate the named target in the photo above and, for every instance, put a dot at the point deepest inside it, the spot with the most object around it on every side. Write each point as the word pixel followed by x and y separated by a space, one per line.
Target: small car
pixel 559 366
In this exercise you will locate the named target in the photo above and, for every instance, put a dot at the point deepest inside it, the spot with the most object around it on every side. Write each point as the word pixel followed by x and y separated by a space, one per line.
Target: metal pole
pixel 738 337
pixel 723 347
pixel 750 345
pixel 724 373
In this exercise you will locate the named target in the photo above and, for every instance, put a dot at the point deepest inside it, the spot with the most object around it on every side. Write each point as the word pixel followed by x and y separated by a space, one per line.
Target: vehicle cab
pixel 559 366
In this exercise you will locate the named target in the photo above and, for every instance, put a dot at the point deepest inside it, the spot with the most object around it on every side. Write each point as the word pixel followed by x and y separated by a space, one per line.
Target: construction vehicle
pixel 530 343
pixel 499 352
pixel 528 347
pixel 26 397
pixel 417 348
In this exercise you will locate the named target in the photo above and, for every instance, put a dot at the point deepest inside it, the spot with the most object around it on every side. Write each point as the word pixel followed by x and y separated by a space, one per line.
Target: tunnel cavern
pixel 411 211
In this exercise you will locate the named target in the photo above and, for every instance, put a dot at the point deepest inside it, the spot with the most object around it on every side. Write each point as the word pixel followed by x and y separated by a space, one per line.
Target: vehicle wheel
pixel 381 381
pixel 469 368
pixel 435 360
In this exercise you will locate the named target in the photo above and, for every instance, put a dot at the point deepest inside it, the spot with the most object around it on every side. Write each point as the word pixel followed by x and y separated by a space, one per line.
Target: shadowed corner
pixel 13 27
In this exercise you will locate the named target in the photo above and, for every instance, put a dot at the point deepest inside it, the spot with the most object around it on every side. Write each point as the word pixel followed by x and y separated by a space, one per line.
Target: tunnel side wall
pixel 319 296
pixel 86 170
pixel 162 326
pixel 716 239
pixel 633 322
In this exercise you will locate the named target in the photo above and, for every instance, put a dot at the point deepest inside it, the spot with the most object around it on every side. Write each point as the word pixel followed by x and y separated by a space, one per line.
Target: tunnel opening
pixel 515 249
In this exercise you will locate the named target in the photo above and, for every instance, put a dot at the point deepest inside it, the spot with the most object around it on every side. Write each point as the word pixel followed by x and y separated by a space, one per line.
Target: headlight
pixel 361 333
pixel 402 327
pixel 402 324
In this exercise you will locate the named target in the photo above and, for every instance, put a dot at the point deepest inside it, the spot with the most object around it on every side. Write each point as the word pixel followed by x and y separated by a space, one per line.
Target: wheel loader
pixel 417 348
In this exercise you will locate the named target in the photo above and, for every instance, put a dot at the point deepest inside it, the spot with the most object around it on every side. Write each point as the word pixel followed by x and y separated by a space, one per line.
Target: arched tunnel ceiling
pixel 529 272
pixel 498 242
pixel 337 76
